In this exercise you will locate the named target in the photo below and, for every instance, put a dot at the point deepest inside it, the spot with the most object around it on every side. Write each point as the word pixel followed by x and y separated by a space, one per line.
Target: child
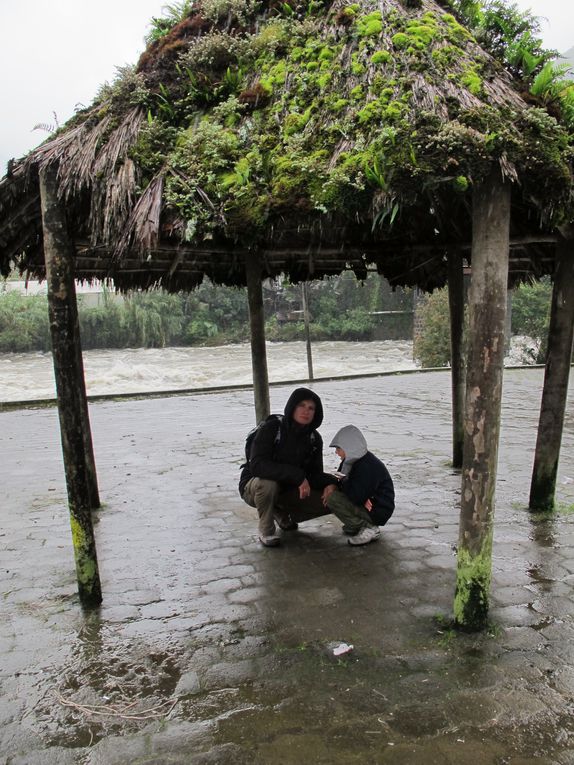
pixel 364 497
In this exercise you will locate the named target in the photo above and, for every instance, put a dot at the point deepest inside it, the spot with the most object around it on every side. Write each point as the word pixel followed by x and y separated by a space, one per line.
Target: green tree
pixel 432 343
pixel 531 312
pixel 24 323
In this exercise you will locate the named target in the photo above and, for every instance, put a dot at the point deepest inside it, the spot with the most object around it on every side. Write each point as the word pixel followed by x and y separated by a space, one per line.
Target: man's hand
pixel 304 489
pixel 327 491
pixel 368 505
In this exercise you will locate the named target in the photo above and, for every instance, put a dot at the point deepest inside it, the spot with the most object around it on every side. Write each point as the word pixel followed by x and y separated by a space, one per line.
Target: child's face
pixel 340 452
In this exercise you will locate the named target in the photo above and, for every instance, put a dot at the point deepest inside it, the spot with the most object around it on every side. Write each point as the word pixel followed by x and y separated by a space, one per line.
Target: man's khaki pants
pixel 271 503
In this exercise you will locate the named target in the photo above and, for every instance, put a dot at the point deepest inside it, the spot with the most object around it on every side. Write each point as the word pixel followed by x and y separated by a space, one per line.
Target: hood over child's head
pixel 351 441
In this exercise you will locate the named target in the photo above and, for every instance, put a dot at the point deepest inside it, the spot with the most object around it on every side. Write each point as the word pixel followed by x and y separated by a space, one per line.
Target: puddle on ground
pixel 268 699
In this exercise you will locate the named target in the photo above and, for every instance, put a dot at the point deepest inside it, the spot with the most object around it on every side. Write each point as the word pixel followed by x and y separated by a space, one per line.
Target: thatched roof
pixel 323 135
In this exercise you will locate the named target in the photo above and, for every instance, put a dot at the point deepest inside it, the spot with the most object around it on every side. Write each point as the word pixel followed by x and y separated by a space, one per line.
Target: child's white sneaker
pixel 365 535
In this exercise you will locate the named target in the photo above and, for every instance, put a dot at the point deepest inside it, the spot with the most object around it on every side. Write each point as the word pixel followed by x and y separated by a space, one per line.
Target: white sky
pixel 54 54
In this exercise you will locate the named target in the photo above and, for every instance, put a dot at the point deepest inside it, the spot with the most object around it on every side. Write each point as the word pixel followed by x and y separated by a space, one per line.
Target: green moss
pixel 357 66
pixel 297 53
pixel 85 555
pixel 297 177
pixel 455 32
pixel 272 37
pixel 327 54
pixel 357 93
pixel 278 73
pixel 471 80
pixel 274 76
pixel 381 57
pixel 372 111
pixel 460 184
pixel 370 25
pixel 351 11
pixel 421 34
pixel 401 40
pixel 446 56
pixel 394 111
pixel 338 105
pixel 473 587
pixel 294 123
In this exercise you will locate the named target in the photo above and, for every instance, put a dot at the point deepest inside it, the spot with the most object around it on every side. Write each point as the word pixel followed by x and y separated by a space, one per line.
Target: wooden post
pixel 257 331
pixel 487 313
pixel 555 391
pixel 457 363
pixel 307 320
pixel 70 385
pixel 91 474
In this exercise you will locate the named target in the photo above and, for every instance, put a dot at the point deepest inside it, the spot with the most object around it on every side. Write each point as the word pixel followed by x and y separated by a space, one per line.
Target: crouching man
pixel 364 497
pixel 283 477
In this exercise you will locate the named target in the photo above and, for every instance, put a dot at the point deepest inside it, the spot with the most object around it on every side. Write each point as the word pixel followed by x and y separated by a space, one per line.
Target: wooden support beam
pixel 307 322
pixel 487 312
pixel 70 386
pixel 257 332
pixel 457 355
pixel 557 372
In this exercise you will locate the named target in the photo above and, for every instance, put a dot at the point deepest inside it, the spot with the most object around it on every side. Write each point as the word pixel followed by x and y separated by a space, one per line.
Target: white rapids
pixel 30 376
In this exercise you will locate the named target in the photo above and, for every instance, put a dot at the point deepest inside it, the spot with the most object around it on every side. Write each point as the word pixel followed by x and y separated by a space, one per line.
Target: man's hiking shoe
pixel 287 523
pixel 271 541
pixel 365 535
pixel 350 531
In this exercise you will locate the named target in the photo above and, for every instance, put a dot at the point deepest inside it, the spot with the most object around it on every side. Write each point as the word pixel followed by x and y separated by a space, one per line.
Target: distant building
pixel 89 295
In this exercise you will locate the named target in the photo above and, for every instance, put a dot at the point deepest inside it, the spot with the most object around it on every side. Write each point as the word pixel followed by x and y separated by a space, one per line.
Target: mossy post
pixel 555 391
pixel 456 306
pixel 487 313
pixel 257 331
pixel 70 385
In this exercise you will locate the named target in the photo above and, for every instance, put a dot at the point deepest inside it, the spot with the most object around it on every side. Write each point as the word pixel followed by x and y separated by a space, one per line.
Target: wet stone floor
pixel 210 649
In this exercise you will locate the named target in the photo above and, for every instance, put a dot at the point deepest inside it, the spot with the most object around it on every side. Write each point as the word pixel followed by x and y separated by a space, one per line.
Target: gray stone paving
pixel 210 649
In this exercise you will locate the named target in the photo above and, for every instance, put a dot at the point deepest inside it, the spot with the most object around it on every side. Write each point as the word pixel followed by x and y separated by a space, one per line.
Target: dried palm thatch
pixel 323 135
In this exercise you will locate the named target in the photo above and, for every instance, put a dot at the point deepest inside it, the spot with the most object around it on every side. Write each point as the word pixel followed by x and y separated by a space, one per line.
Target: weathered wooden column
pixel 555 391
pixel 257 331
pixel 70 385
pixel 487 312
pixel 307 322
pixel 457 357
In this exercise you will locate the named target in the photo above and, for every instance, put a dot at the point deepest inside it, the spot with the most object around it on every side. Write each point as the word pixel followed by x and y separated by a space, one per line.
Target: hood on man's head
pixel 351 441
pixel 304 394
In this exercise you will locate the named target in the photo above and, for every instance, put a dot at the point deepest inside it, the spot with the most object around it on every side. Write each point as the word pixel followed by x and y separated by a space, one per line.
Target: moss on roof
pixel 304 124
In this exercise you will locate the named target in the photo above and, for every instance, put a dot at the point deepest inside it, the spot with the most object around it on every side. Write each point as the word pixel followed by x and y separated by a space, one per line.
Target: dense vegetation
pixel 341 309
pixel 530 317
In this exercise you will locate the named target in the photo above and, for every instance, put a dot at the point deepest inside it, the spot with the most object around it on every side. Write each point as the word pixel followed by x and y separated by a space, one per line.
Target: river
pixel 29 376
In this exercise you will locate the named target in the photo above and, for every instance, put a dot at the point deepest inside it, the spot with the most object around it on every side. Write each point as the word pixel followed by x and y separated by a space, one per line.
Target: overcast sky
pixel 54 54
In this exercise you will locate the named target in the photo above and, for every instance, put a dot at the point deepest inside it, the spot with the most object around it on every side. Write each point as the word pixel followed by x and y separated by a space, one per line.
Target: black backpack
pixel 252 433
